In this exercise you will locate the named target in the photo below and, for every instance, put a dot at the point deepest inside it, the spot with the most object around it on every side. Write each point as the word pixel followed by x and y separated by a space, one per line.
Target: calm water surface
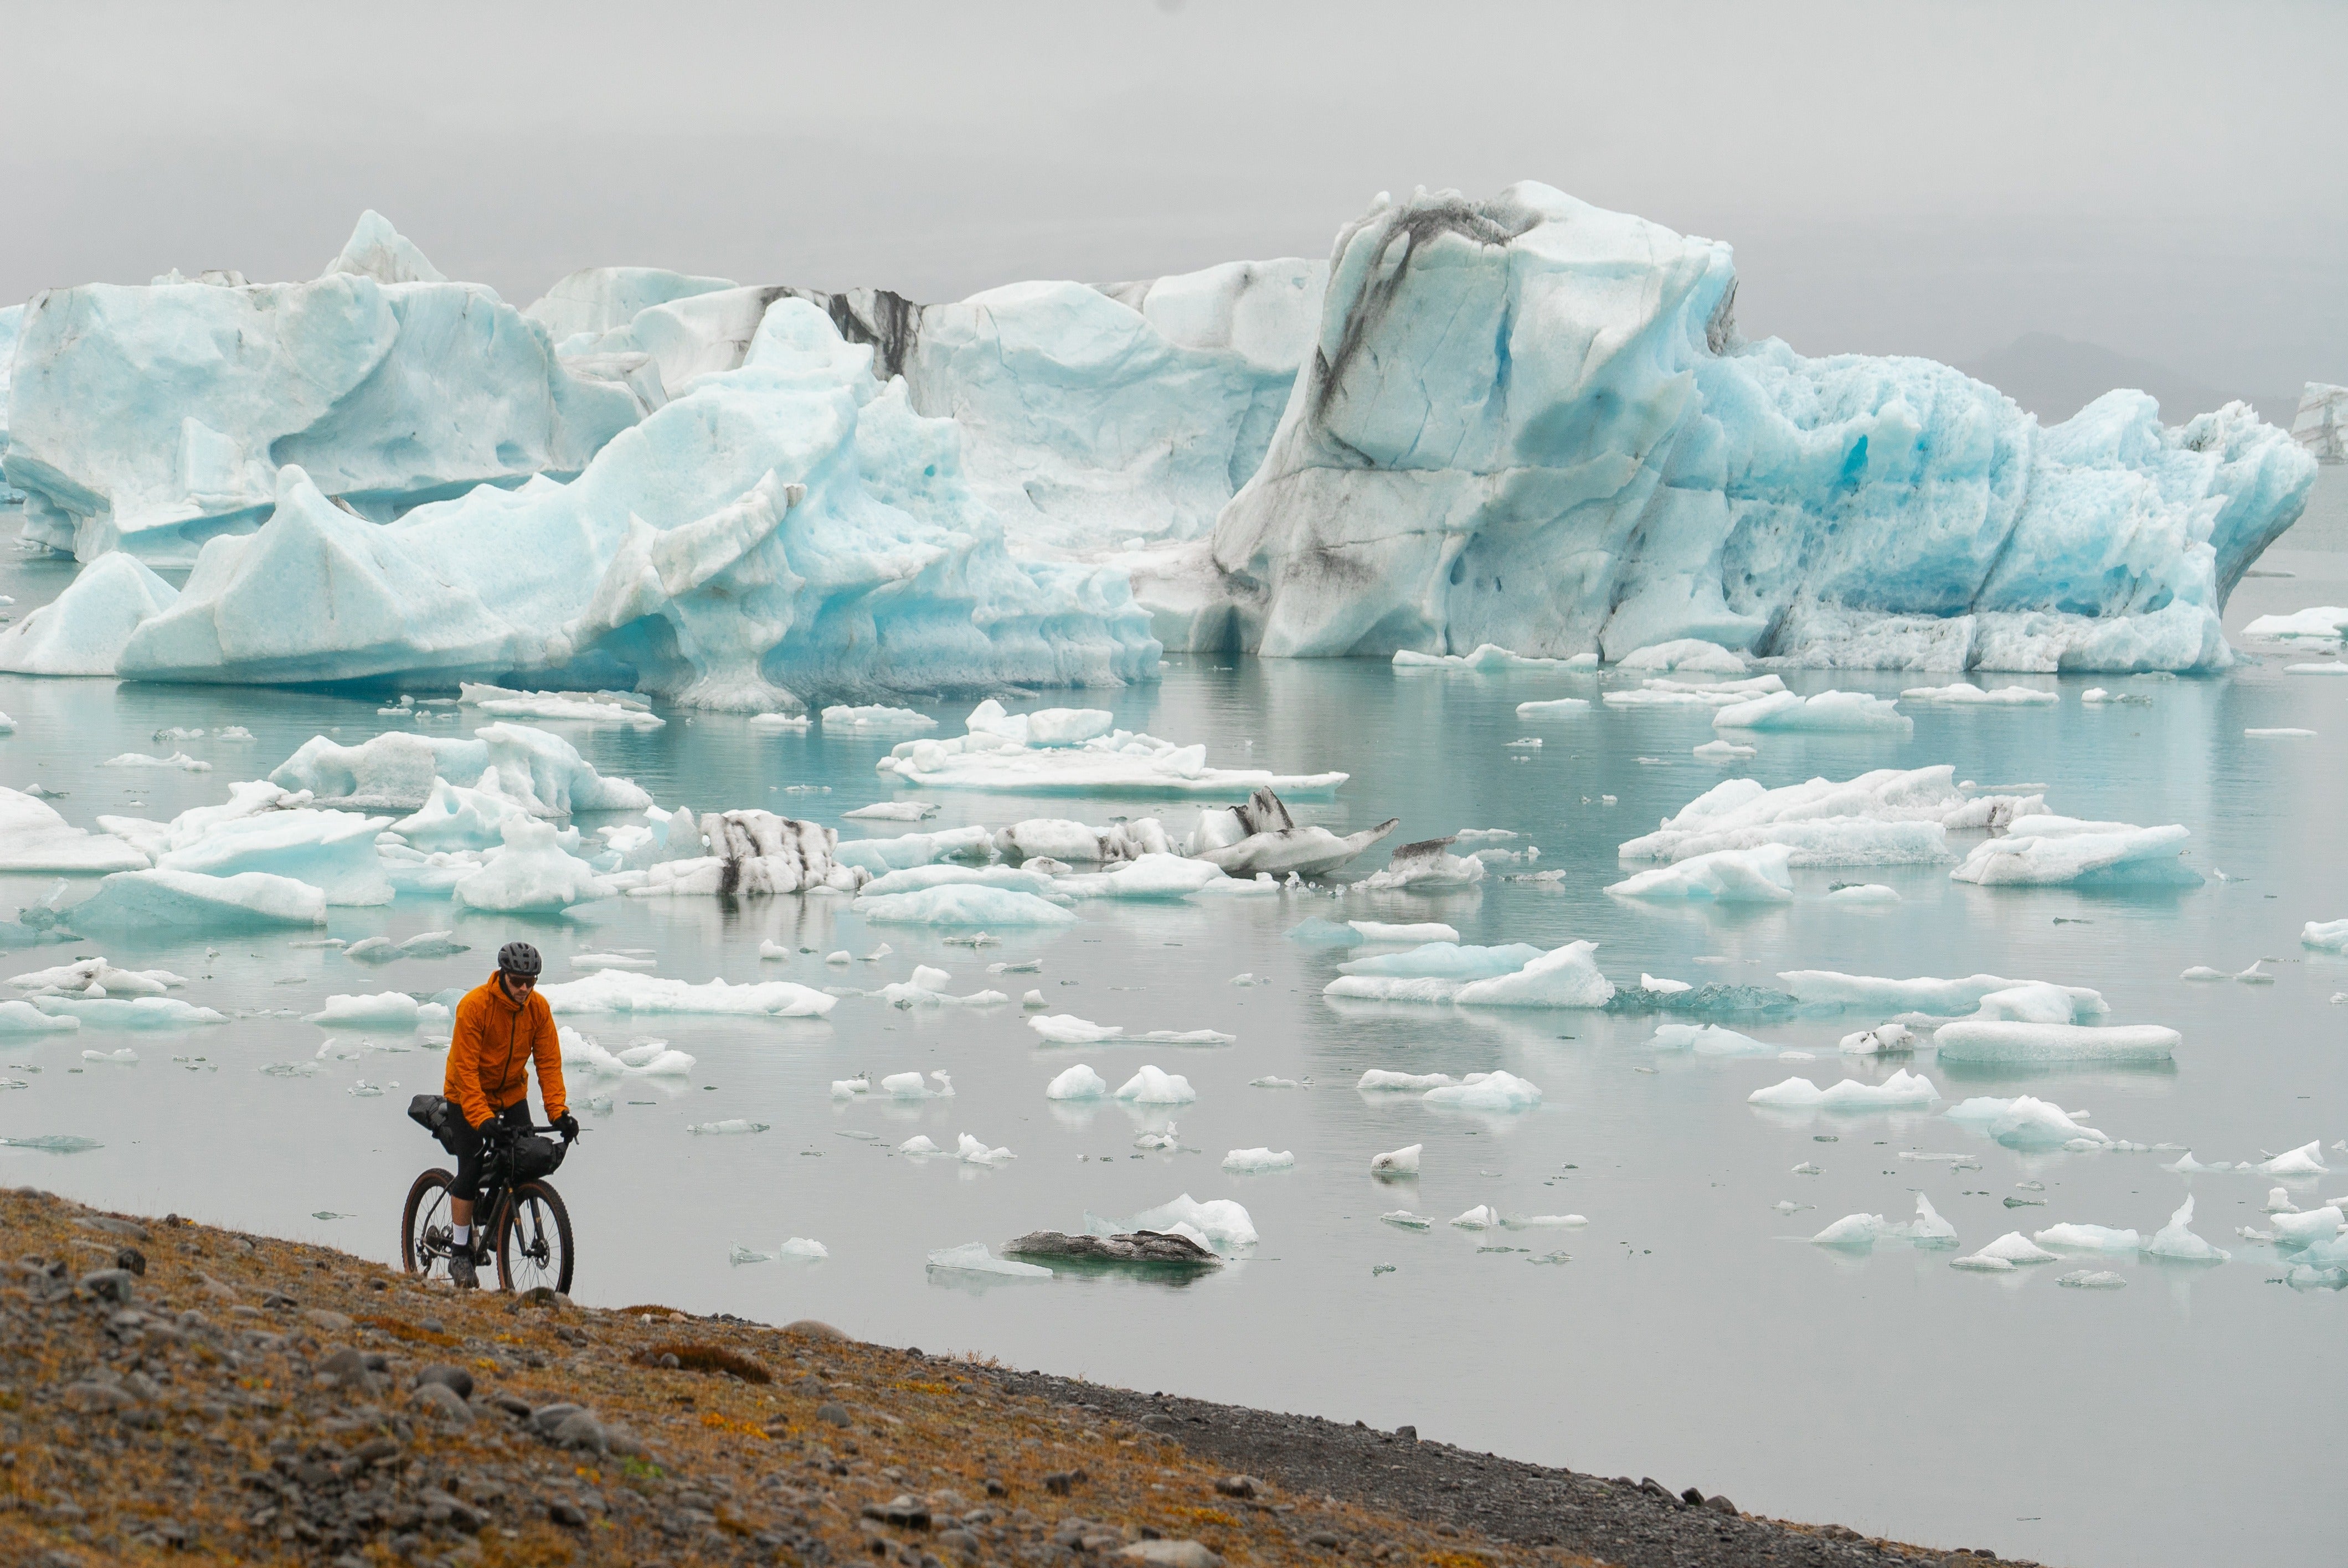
pixel 1694 1336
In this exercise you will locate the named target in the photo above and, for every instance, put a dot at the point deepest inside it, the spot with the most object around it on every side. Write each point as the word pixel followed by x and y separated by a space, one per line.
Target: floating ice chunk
pixel 2325 936
pixel 1274 1082
pixel 2176 1239
pixel 1553 708
pixel 1315 932
pixel 2204 972
pixel 1254 1161
pixel 1426 866
pixel 1421 931
pixel 637 961
pixel 913 1086
pixel 1184 1036
pixel 2302 1229
pixel 891 811
pixel 1483 1216
pixel 159 900
pixel 1825 712
pixel 530 874
pixel 1686 655
pixel 454 817
pixel 1077 1083
pixel 1525 743
pixel 972 1257
pixel 1965 694
pixel 2013 1248
pixel 1220 1223
pixel 2088 1238
pixel 2278 1201
pixel 875 718
pixel 1725 876
pixel 1379 1078
pixel 963 904
pixel 83 630
pixel 1490 658
pixel 1067 1029
pixel 1935 998
pixel 35 837
pixel 2055 1043
pixel 1855 1233
pixel 1863 894
pixel 608 708
pixel 1724 752
pixel 931 980
pixel 385 1010
pixel 732 1124
pixel 1403 1161
pixel 621 992
pixel 2322 623
pixel 2307 1160
pixel 1075 843
pixel 2091 1279
pixel 2280 733
pixel 1884 1039
pixel 1886 816
pixel 1663 987
pixel 1980 1263
pixel 334 851
pixel 1902 1088
pixel 2315 669
pixel 918 878
pixel 2255 976
pixel 1162 1143
pixel 534 766
pixel 1405 1220
pixel 1120 761
pixel 970 1151
pixel 1928 1228
pixel 1487 1091
pixel 1031 999
pixel 1711 1040
pixel 2027 1123
pixel 2045 851
pixel 781 723
pixel 2097 696
pixel 752 853
pixel 179 761
pixel 132 1012
pixel 125 1057
pixel 96 976
pixel 24 1017
pixel 1152 1087
pixel 1716 694
pixel 917 1145
pixel 1145 877
pixel 849 1088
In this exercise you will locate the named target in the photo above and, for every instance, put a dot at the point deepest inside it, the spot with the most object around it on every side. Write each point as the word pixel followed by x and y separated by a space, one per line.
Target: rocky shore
pixel 170 1392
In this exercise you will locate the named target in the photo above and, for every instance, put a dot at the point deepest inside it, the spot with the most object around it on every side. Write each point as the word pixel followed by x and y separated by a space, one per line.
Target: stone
pixel 1061 1482
pixel 904 1511
pixel 1408 1434
pixel 837 1414
pixel 810 1328
pixel 1172 1555
pixel 113 1226
pixel 1719 1504
pixel 132 1259
pixel 332 1322
pixel 567 1514
pixel 109 1285
pixel 1238 1485
pixel 580 1429
pixel 458 1380
pixel 440 1400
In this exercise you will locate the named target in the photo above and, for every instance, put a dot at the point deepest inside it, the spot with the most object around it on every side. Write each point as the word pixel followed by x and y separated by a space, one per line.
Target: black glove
pixel 495 1131
pixel 568 1125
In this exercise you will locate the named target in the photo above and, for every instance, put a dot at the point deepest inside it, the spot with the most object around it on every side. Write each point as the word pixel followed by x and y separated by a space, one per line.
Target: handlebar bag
pixel 437 1116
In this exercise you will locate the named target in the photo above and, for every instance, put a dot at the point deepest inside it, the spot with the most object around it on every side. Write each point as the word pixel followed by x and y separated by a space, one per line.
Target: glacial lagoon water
pixel 1693 1336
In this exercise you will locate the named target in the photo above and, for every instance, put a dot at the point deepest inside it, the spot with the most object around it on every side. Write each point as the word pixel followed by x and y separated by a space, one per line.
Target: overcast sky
pixel 1935 178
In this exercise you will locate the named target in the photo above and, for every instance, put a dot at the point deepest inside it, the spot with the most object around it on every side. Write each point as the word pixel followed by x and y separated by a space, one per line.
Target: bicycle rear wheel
pixel 424 1225
pixel 534 1239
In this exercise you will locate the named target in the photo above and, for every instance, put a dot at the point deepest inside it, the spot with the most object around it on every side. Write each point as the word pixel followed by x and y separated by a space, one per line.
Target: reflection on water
pixel 1694 1334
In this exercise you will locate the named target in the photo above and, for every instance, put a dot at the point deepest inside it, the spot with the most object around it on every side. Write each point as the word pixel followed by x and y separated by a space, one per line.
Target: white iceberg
pixel 963 904
pixel 82 631
pixel 1380 1079
pixel 972 1257
pixel 2026 1121
pixel 2176 1240
pixel 2011 1250
pixel 1832 712
pixel 2325 936
pixel 617 710
pixel 1901 1089
pixel 1151 1086
pixel 1220 1223
pixel 2307 1160
pixel 2047 851
pixel 1965 694
pixel 2088 1238
pixel 1077 1083
pixel 1888 816
pixel 384 1009
pixel 623 991
pixel 875 717
pixel 1489 658
pixel 1711 1040
pixel 1724 876
pixel 530 874
pixel 1419 931
pixel 399 769
pixel 35 837
pixel 190 901
pixel 1254 1161
pixel 2008 1041
pixel 973 843
pixel 1074 843
pixel 1487 1092
pixel 1935 998
pixel 1119 763
pixel 1403 1161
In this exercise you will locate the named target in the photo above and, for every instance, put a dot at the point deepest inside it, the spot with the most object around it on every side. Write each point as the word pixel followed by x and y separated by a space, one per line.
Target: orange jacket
pixel 495 1042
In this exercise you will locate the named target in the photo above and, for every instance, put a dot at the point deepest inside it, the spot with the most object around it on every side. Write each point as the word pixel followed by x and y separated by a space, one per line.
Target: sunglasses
pixel 524 982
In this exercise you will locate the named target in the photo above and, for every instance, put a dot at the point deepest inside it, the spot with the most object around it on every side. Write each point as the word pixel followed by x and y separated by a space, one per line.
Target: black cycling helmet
pixel 519 959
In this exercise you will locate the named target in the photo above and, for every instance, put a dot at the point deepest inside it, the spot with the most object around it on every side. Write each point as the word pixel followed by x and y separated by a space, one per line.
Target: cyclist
pixel 502 1025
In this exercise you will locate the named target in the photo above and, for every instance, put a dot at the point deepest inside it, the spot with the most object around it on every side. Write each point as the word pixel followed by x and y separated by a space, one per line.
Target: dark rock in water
pixel 1134 1246
pixel 1714 1002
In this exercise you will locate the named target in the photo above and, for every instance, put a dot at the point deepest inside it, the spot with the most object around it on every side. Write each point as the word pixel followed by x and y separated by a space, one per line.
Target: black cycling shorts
pixel 467 1187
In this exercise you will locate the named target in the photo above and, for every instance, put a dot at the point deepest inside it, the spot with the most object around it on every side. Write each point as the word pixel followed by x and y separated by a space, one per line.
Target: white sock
pixel 461 1235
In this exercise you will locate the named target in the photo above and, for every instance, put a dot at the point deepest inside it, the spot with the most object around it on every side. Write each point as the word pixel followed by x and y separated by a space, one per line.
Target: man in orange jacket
pixel 502 1025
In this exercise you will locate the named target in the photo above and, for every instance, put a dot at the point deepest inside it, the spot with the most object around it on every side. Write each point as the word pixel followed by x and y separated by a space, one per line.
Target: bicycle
pixel 528 1229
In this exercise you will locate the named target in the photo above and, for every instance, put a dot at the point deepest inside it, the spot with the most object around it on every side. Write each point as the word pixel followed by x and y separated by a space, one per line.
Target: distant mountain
pixel 2054 377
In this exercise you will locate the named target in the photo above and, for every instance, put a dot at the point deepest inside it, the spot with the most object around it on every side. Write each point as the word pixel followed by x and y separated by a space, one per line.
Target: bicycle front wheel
pixel 424 1225
pixel 534 1239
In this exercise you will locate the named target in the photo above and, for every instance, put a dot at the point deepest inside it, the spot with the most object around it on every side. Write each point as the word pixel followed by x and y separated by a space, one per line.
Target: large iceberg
pixel 788 526
pixel 1530 422
pixel 1888 816
pixel 151 418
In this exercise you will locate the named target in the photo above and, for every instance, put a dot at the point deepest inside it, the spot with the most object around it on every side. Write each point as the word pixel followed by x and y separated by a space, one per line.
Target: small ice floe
pixel 1078 1082
pixel 1426 866
pixel 798 1249
pixel 2011 1250
pixel 1483 1216
pixel 1026 967
pixel 842 956
pixel 1253 1162
pixel 1403 1161
pixel 1487 1092
pixel 1719 750
pixel 1405 1220
pixel 731 1124
pixel 179 760
pixel 1031 999
pixel 1663 987
pixel 1164 1142
pixel 2088 1238
pixel 969 1151
pixel 1553 708
pixel 1757 875
pixel 1862 895
pixel 631 961
pixel 2280 733
pixel 2027 1123
pixel 918 1145
pixel 51 1142
pixel 1220 1223
pixel 849 1088
pixel 1883 1039
pixel 1067 1029
pixel 778 724
pixel 363 1090
pixel 1490 658
pixel 642 1058
pixel 1858 1233
pixel 875 717
pixel 125 1057
pixel 2296 1229
pixel 1421 931
pixel 2255 975
pixel 2322 623
pixel 2325 936
pixel 891 811
pixel 1787 1206
pixel 1807 1169
pixel 1379 1078
pixel 1524 744
pixel 2047 851
pixel 1901 1089
pixel 2278 1201
pixel 2177 1241
pixel 1708 1040
pixel 2098 696
pixel 1272 1082
pixel 1965 694
pixel 384 1009
pixel 912 1086
pixel 1247 980
pixel 972 1257
pixel 1152 1087
pixel 2204 972
pixel 291 1070
pixel 2307 1160
pixel 2091 1279
pixel 2011 1041
pixel 1829 713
